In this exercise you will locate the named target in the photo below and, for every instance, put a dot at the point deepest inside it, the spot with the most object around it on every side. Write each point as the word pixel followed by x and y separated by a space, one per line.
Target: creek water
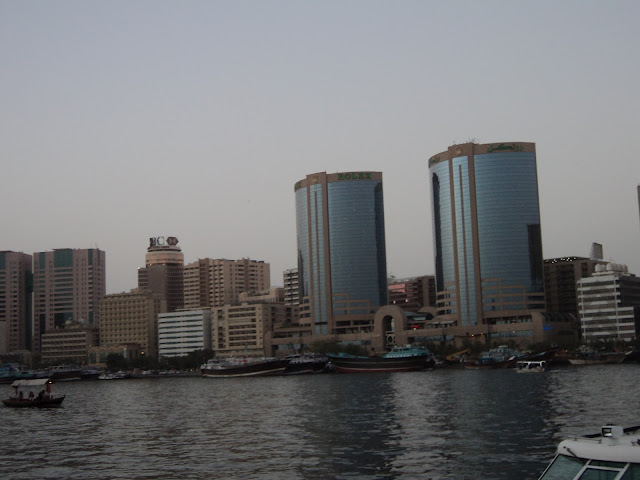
pixel 436 424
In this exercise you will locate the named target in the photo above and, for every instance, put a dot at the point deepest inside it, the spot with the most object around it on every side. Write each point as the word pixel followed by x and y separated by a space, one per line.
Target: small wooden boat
pixel 43 399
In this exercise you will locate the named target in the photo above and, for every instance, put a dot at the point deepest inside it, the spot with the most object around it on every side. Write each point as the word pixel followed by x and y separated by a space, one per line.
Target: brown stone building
pixel 131 318
pixel 210 283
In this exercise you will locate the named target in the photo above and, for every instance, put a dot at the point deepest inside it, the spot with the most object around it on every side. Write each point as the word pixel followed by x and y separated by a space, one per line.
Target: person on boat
pixel 21 395
pixel 30 396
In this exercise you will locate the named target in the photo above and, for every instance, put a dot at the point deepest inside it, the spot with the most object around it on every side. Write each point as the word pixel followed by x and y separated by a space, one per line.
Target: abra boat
pixel 614 453
pixel 399 359
pixel 44 399
pixel 243 367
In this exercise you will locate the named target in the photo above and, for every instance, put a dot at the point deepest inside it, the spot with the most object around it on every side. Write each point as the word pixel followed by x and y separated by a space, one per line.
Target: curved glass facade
pixel 302 233
pixel 443 234
pixel 487 238
pixel 341 246
pixel 509 234
pixel 356 243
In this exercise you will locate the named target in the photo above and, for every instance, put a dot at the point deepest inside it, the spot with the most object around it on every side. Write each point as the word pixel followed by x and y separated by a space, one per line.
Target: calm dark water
pixel 449 423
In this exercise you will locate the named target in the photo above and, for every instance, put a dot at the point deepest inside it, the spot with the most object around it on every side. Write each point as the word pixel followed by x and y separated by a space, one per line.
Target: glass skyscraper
pixel 341 250
pixel 486 229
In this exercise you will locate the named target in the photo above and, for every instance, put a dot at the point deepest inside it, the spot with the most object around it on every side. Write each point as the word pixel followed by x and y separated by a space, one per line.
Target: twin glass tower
pixel 486 238
pixel 341 250
pixel 486 231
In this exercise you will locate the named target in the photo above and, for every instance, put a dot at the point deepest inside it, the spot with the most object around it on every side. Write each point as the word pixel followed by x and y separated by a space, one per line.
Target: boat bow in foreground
pixel 614 454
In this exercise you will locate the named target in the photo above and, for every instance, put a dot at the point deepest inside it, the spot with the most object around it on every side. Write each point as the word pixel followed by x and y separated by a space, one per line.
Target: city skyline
pixel 118 132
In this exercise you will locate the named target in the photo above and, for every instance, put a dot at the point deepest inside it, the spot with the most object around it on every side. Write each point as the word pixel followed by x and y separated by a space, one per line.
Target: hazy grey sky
pixel 123 120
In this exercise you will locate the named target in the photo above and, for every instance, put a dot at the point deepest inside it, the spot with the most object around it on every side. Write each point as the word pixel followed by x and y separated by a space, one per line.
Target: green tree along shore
pixel 191 361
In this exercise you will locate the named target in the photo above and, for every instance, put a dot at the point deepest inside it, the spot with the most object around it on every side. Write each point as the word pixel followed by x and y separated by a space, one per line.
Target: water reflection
pixel 439 424
pixel 350 427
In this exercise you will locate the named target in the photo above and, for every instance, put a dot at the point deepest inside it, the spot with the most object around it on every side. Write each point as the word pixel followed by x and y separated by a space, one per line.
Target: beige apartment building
pixel 67 287
pixel 70 345
pixel 131 318
pixel 291 282
pixel 241 329
pixel 218 282
pixel 16 287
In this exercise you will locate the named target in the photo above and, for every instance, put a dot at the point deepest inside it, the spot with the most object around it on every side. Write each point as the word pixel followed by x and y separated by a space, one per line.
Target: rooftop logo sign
pixel 434 159
pixel 504 147
pixel 355 176
pixel 162 242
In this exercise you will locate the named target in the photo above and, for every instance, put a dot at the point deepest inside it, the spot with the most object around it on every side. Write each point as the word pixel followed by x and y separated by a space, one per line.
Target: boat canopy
pixel 36 382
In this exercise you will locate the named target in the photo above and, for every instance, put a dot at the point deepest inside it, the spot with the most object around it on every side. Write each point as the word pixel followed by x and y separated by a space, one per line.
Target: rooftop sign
pixel 355 176
pixel 161 242
pixel 504 147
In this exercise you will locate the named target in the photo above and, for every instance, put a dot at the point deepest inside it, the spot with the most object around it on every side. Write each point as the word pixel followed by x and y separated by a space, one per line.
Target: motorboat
pixel 44 398
pixel 613 453
pixel 532 366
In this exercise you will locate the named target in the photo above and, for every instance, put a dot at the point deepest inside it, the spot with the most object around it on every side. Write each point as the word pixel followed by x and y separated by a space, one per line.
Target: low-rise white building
pixel 608 304
pixel 184 331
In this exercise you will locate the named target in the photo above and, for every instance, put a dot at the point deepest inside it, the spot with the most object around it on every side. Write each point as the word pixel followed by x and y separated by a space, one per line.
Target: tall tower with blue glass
pixel 486 231
pixel 341 250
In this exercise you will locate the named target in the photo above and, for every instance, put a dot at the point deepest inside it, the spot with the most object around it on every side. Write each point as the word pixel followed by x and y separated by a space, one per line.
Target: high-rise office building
pixel 67 287
pixel 609 304
pixel 163 272
pixel 561 277
pixel 486 228
pixel 180 333
pixel 341 250
pixel 16 288
pixel 210 283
